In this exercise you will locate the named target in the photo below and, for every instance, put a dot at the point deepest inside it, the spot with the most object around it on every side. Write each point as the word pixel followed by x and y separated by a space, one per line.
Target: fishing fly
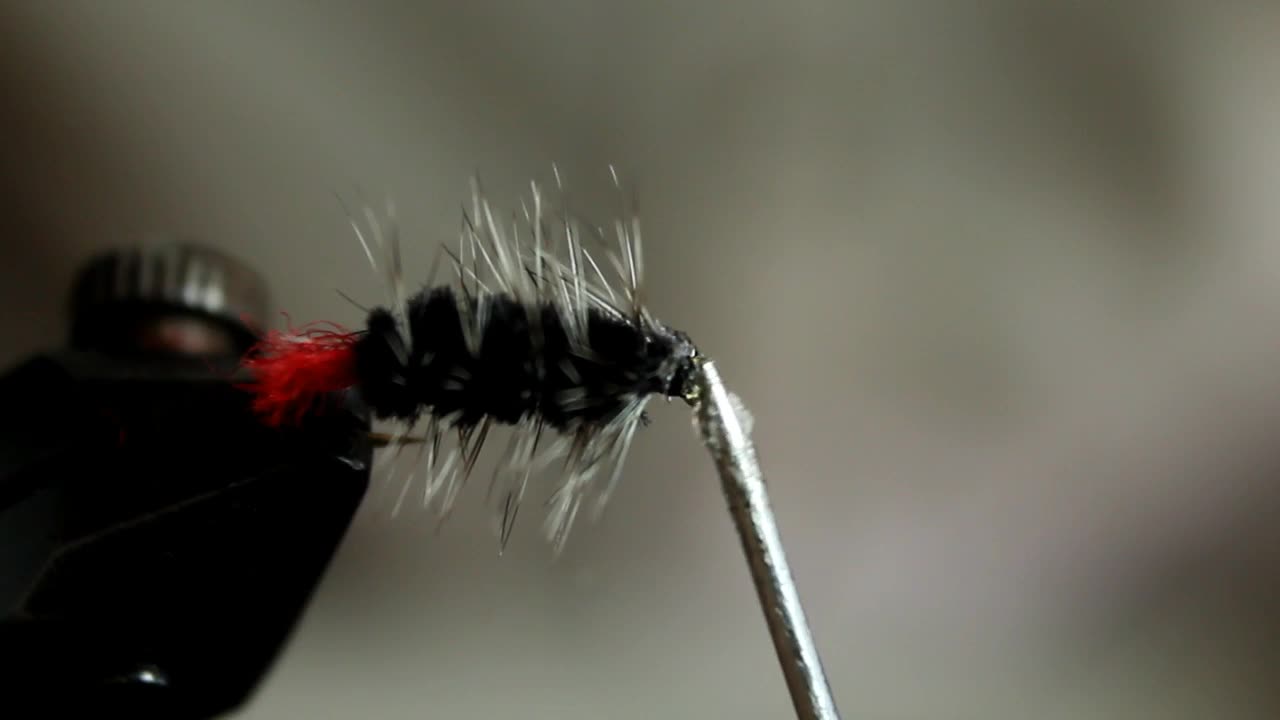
pixel 542 328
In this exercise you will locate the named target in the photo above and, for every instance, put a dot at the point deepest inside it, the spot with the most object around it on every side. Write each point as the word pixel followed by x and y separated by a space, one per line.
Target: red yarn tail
pixel 293 370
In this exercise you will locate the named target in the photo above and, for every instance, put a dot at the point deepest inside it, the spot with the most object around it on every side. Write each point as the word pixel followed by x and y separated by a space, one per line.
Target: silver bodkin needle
pixel 724 431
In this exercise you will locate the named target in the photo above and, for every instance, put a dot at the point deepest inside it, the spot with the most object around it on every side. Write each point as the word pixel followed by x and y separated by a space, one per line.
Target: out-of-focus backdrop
pixel 1000 281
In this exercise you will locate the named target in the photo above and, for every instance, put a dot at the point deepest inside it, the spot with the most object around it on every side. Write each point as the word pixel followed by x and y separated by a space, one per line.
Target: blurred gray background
pixel 999 280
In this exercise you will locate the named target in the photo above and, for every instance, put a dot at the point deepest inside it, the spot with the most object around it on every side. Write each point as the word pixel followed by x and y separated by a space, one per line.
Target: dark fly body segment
pixel 537 332
pixel 525 368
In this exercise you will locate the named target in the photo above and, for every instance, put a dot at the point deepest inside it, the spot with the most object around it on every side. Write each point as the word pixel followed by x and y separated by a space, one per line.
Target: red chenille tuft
pixel 293 370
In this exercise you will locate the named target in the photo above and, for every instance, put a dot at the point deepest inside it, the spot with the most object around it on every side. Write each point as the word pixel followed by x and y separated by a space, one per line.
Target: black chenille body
pixel 519 370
